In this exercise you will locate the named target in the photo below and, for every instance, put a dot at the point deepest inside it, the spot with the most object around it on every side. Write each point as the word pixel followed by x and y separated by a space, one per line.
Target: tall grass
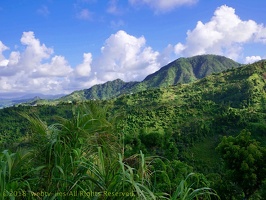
pixel 193 187
pixel 83 154
pixel 16 174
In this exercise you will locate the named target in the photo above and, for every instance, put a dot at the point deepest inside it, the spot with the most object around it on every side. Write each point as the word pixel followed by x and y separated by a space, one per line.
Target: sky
pixel 59 46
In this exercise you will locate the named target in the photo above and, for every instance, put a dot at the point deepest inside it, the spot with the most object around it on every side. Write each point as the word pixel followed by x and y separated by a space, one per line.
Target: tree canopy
pixel 245 161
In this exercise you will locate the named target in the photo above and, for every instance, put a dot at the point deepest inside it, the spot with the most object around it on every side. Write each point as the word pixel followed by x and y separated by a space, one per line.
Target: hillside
pixel 27 99
pixel 182 123
pixel 185 70
pixel 193 117
pixel 235 90
pixel 101 91
pixel 182 70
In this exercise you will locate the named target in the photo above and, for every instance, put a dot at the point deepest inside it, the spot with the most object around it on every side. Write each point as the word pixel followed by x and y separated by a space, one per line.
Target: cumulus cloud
pixel 35 52
pixel 3 61
pixel 252 59
pixel 34 69
pixel 14 58
pixel 84 69
pixel 163 5
pixel 224 34
pixel 58 67
pixel 127 57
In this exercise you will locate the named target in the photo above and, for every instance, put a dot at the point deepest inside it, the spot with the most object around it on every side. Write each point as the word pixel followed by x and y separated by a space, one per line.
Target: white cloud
pixel 35 52
pixel 252 59
pixel 58 67
pixel 127 57
pixel 163 5
pixel 2 47
pixel 224 34
pixel 4 85
pixel 14 58
pixel 261 34
pixel 3 61
pixel 179 48
pixel 34 69
pixel 84 69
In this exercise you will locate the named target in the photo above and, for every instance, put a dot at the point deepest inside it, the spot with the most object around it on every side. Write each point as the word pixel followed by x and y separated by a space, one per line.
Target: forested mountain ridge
pixel 101 91
pixel 182 70
pixel 185 70
pixel 239 89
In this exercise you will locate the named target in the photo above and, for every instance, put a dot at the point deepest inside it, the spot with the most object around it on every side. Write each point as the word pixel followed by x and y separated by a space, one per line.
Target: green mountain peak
pixel 182 70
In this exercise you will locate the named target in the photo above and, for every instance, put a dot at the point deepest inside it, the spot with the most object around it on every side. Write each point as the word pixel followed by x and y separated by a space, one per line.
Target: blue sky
pixel 58 46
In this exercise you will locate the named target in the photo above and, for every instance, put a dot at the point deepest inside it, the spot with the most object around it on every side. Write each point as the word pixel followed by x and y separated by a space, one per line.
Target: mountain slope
pixel 182 70
pixel 198 113
pixel 238 87
pixel 185 70
pixel 108 89
pixel 100 91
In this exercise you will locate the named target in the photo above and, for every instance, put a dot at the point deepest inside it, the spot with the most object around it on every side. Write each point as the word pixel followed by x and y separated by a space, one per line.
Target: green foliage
pixel 245 161
pixel 15 174
pixel 198 189
pixel 263 190
pixel 202 156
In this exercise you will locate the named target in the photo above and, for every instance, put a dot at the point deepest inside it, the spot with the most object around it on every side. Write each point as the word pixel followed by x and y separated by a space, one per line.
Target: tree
pixel 245 161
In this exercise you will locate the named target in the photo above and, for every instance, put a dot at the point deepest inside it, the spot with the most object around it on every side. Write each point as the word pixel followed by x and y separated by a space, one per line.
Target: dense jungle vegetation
pixel 201 140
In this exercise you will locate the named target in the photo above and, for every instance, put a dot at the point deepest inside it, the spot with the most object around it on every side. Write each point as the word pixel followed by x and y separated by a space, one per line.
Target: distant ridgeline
pixel 182 70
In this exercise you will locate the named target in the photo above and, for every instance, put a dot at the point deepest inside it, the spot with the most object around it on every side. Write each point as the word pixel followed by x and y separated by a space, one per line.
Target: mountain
pixel 182 70
pixel 240 87
pixel 185 70
pixel 101 91
pixel 26 98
